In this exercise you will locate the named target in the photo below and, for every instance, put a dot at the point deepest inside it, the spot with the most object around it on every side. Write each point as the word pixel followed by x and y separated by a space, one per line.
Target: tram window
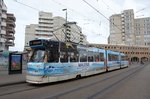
pixel 63 57
pixel 90 59
pixel 83 56
pixel 124 58
pixel 112 57
pixel 96 57
pixel 52 57
pixel 56 57
pixel 73 57
pixel 101 56
pixel 90 56
pixel 38 56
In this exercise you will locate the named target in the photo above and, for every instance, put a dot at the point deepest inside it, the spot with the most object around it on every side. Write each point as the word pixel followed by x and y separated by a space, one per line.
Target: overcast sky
pixel 93 25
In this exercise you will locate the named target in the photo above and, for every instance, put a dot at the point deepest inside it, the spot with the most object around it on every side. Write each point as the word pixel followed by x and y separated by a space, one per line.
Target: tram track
pixel 24 87
pixel 102 91
pixel 21 88
pixel 10 84
pixel 125 74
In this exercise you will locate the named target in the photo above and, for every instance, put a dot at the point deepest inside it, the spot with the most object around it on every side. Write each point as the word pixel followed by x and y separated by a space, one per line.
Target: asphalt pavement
pixel 6 79
pixel 10 79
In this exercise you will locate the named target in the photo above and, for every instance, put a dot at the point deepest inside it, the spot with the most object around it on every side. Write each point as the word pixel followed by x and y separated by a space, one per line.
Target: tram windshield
pixel 38 56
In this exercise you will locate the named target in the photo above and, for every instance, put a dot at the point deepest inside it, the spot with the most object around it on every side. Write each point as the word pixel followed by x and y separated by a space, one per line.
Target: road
pixel 127 83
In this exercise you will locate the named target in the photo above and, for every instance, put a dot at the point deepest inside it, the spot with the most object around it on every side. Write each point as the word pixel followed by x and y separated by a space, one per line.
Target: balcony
pixel 10 30
pixel 46 25
pixel 3 32
pixel 46 21
pixel 123 22
pixel 2 40
pixel 49 18
pixel 11 17
pixel 44 33
pixel 10 37
pixel 3 24
pixel 9 43
pixel 45 29
pixel 4 8
pixel 123 27
pixel 10 23
pixel 4 16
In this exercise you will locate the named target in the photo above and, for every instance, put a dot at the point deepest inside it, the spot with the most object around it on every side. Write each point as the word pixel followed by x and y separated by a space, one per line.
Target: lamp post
pixel 65 25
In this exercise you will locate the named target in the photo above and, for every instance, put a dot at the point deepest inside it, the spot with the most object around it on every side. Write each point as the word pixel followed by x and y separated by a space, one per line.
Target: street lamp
pixel 65 25
pixel 66 13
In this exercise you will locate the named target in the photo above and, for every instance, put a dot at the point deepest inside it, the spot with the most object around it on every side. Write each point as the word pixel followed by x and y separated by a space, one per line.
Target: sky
pixel 94 24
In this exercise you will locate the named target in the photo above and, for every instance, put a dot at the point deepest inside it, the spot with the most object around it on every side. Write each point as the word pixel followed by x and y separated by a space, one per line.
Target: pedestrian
pixel 142 62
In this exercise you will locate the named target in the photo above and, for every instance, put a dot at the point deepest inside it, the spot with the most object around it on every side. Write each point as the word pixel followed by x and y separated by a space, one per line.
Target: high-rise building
pixel 3 17
pixel 54 28
pixel 45 26
pixel 127 30
pixel 30 32
pixel 7 27
pixel 115 30
pixel 10 30
pixel 72 31
pixel 142 31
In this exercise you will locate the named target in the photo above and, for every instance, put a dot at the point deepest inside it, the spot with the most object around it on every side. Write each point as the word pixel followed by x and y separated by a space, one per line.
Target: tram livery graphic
pixel 52 61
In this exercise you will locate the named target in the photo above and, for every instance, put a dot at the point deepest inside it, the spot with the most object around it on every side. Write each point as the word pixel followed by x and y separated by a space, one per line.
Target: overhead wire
pixel 62 5
pixel 108 6
pixel 100 13
pixel 27 5
pixel 86 18
pixel 39 10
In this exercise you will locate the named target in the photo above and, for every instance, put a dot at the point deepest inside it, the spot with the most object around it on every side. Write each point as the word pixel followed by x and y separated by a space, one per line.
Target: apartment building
pixel 70 32
pixel 142 31
pixel 30 33
pixel 7 27
pixel 116 34
pixel 54 28
pixel 127 30
pixel 45 25
pixel 3 17
pixel 10 30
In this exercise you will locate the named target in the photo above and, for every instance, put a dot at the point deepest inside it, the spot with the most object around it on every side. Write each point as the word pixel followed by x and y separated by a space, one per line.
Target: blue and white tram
pixel 116 60
pixel 124 60
pixel 52 61
pixel 113 60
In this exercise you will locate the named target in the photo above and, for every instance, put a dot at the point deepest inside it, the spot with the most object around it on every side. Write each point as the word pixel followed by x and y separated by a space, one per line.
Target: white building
pixel 73 32
pixel 3 17
pixel 30 33
pixel 54 28
pixel 7 27
pixel 115 30
pixel 45 28
pixel 142 31
pixel 125 29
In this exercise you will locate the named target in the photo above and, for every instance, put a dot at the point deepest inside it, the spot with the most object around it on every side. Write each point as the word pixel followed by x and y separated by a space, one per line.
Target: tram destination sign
pixel 35 42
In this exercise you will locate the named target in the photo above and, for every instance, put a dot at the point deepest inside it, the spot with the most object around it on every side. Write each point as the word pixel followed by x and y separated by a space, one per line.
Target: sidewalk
pixel 6 79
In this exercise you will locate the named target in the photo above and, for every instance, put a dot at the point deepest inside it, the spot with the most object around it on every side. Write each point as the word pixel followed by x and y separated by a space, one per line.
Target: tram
pixel 52 61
